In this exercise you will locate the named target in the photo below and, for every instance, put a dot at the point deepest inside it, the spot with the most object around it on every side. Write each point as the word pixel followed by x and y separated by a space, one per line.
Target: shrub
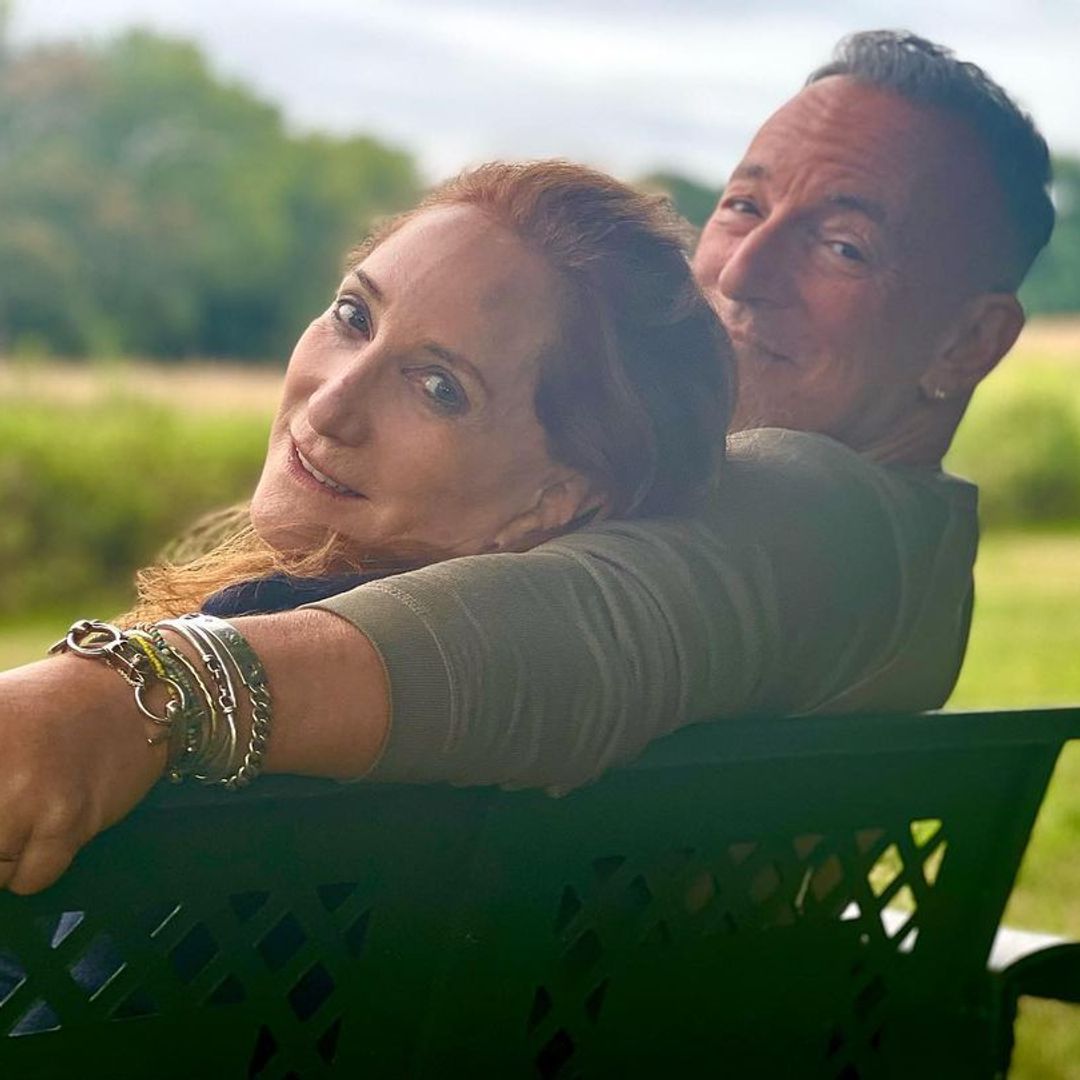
pixel 91 489
pixel 88 492
pixel 1020 442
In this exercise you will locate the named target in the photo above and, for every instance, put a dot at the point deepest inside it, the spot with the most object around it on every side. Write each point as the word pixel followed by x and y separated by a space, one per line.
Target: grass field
pixel 1024 648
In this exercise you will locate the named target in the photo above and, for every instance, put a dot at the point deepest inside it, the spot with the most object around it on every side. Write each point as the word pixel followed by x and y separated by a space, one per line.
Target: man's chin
pixel 750 414
pixel 753 412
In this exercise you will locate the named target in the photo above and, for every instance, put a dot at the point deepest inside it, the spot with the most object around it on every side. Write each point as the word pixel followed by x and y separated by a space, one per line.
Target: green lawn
pixel 1025 650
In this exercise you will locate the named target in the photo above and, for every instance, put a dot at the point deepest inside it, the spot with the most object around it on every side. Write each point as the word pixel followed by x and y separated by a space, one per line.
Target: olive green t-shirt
pixel 812 581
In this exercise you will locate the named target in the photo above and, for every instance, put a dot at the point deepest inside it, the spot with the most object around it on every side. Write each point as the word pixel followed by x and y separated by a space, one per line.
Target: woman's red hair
pixel 636 393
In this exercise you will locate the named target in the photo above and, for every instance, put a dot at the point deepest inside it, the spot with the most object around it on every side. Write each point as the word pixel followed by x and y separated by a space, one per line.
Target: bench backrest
pixel 821 891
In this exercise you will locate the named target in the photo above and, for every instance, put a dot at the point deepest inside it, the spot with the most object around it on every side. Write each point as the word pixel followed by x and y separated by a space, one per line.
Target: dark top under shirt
pixel 282 592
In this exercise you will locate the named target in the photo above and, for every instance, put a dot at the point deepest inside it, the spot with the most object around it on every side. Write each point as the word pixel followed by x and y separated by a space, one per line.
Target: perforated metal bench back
pixel 817 895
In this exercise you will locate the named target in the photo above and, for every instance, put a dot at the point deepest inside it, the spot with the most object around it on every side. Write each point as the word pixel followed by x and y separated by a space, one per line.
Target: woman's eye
pixel 444 391
pixel 353 314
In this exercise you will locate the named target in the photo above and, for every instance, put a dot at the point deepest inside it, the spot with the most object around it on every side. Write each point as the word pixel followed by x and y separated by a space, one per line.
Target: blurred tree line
pixel 149 208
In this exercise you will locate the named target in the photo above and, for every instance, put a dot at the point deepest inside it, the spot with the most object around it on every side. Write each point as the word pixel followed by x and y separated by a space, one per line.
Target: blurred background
pixel 180 179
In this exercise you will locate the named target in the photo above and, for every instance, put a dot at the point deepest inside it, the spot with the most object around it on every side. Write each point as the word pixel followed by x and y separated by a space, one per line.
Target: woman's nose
pixel 760 267
pixel 340 407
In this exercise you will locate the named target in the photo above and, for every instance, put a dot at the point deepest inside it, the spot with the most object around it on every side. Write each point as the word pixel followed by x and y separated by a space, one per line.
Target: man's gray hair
pixel 929 74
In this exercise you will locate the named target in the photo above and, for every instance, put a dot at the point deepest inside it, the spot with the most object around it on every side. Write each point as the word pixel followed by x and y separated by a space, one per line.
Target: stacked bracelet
pixel 251 673
pixel 225 653
pixel 102 641
pixel 212 761
pixel 201 710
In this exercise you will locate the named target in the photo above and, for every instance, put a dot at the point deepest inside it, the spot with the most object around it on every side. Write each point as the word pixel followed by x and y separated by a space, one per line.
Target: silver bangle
pixel 250 670
pixel 215 746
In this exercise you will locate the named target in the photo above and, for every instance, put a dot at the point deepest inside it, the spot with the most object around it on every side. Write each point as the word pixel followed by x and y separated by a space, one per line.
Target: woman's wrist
pixel 79 704
pixel 203 695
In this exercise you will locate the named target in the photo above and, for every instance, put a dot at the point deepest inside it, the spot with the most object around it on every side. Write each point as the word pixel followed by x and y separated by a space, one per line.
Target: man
pixel 865 258
pixel 866 253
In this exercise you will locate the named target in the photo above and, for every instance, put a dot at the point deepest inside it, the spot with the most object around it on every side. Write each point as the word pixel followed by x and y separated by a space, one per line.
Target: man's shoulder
pixel 777 472
pixel 783 489
pixel 786 455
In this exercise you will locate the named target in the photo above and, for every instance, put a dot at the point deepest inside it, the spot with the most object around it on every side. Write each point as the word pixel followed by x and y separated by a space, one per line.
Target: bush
pixel 92 487
pixel 1020 442
pixel 91 491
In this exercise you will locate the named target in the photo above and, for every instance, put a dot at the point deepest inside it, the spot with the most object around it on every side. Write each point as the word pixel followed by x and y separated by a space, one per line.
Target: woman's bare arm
pixel 73 752
pixel 330 692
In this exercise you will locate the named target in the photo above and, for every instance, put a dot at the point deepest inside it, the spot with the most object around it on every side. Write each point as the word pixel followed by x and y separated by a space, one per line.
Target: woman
pixel 581 380
pixel 525 352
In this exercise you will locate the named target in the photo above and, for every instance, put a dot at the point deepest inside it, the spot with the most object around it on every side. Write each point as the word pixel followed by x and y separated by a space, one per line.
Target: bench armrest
pixel 1052 973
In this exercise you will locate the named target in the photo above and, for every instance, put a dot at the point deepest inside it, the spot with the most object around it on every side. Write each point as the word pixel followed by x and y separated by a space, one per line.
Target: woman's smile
pixel 306 473
pixel 418 383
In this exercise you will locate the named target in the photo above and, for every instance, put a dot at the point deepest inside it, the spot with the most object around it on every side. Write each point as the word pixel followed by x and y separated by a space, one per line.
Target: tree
pixel 148 207
pixel 1053 286
pixel 695 201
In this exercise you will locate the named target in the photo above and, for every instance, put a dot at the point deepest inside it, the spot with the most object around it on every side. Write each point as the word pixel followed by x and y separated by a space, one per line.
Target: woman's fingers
pixel 39 865
pixel 73 760
pixel 11 849
pixel 9 863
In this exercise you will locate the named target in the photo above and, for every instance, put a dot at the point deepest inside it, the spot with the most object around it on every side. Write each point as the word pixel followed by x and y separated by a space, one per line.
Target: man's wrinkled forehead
pixel 909 166
pixel 838 198
pixel 856 130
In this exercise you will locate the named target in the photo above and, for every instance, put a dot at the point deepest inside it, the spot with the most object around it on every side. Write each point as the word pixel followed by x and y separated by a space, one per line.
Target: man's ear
pixel 557 505
pixel 986 330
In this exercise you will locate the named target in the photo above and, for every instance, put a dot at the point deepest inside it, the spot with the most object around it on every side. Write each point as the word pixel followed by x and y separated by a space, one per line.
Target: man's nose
pixel 340 408
pixel 760 268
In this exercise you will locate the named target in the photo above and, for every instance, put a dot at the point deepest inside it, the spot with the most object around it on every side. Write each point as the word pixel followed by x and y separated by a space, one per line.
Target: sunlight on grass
pixel 1025 637
pixel 22 644
pixel 1025 650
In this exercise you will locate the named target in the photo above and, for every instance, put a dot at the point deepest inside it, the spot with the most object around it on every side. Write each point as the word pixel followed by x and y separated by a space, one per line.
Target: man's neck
pixel 922 440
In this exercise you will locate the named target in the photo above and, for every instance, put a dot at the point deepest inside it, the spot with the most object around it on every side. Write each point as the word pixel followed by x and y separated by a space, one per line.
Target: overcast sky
pixel 628 85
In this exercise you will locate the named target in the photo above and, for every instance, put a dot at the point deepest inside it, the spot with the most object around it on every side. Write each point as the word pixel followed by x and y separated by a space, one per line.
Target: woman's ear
pixel 986 331
pixel 557 505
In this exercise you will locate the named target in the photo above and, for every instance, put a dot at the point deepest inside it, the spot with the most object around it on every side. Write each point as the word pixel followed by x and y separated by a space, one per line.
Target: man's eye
pixel 444 391
pixel 353 314
pixel 846 250
pixel 740 205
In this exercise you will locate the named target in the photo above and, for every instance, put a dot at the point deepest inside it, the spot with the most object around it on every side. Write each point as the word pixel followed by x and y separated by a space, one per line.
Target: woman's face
pixel 407 421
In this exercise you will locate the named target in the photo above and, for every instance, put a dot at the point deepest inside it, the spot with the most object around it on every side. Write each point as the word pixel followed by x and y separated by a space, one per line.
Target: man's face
pixel 839 257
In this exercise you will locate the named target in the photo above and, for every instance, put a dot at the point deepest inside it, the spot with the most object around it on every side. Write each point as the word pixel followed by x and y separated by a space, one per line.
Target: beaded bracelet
pixel 191 742
pixel 96 640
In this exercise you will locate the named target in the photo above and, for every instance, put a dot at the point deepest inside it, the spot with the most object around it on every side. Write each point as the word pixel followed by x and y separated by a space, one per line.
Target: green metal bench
pixel 810 897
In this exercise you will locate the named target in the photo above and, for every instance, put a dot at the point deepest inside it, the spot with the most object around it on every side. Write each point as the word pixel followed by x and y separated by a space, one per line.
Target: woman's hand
pixel 73 752
pixel 73 760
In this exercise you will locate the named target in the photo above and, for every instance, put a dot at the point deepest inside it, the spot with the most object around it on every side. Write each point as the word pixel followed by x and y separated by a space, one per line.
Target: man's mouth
pixel 749 342
pixel 309 469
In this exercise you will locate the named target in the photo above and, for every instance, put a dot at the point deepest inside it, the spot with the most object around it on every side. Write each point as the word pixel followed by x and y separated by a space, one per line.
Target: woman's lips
pixel 312 476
